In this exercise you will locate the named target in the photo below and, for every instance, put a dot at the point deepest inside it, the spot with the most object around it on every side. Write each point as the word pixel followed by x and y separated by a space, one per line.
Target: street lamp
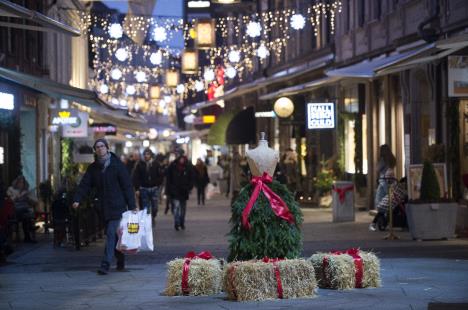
pixel 190 61
pixel 205 33
pixel 283 107
pixel 172 78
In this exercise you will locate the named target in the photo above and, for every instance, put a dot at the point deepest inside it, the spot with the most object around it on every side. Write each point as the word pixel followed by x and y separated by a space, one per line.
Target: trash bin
pixel 343 201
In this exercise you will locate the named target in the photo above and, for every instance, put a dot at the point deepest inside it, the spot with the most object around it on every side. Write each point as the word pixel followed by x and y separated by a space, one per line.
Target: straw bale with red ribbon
pixel 269 279
pixel 341 270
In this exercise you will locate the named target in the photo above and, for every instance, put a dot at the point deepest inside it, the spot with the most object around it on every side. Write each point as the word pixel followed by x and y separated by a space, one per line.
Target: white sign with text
pixel 320 115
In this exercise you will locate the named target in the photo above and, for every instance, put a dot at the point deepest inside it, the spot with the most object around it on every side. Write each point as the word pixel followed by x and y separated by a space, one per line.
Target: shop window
pixel 351 103
pixel 349 144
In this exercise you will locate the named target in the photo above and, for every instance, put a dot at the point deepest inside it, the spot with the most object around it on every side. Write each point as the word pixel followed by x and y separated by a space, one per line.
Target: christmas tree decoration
pixel 269 279
pixel 265 217
pixel 196 274
pixel 130 90
pixel 348 269
pixel 263 51
pixel 140 76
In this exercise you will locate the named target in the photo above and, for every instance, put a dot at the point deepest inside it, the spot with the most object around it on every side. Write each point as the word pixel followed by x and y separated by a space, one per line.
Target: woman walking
pixel 201 180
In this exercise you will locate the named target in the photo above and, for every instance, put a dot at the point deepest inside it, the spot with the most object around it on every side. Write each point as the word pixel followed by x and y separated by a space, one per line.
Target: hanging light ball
pixel 234 56
pixel 298 21
pixel 209 75
pixel 156 58
pixel 121 54
pixel 283 107
pixel 116 74
pixel 180 89
pixel 130 90
pixel 166 133
pixel 254 29
pixel 199 85
pixel 263 51
pixel 104 89
pixel 123 103
pixel 140 76
pixel 152 133
pixel 160 34
pixel 115 101
pixel 231 72
pixel 115 31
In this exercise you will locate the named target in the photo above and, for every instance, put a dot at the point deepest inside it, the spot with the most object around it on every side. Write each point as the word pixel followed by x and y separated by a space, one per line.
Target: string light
pixel 130 90
pixel 234 56
pixel 254 29
pixel 231 72
pixel 263 51
pixel 180 88
pixel 199 86
pixel 140 76
pixel 104 89
pixel 209 75
pixel 156 58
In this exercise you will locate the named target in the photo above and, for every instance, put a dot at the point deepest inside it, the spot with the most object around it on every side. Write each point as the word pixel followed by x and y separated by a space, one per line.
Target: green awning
pixel 217 133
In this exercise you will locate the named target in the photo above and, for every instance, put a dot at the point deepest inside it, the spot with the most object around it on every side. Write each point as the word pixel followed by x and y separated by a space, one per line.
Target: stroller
pixel 399 198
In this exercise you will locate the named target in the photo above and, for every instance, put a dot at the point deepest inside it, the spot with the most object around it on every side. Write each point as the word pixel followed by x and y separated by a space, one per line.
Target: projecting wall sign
pixel 320 115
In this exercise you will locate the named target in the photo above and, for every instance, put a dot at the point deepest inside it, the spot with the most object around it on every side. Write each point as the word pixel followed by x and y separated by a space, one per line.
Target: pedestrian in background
pixel 25 203
pixel 147 179
pixel 201 180
pixel 179 183
pixel 386 173
pixel 110 178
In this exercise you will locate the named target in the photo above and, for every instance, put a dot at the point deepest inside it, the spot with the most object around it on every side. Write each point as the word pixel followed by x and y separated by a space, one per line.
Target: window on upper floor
pixel 361 12
pixel 347 9
pixel 377 8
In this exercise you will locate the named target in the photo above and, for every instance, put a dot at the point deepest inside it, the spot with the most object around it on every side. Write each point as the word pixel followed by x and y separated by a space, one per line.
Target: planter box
pixel 432 220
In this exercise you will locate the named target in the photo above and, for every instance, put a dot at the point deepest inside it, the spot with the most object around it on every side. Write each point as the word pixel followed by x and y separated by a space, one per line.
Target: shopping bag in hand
pixel 129 233
pixel 146 231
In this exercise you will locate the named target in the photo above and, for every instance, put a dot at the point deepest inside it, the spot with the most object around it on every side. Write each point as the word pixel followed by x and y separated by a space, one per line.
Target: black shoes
pixel 182 226
pixel 104 269
pixel 176 227
pixel 120 261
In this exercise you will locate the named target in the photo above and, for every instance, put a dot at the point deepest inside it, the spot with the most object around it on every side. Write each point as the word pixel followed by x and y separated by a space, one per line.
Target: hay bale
pixel 256 280
pixel 340 271
pixel 205 277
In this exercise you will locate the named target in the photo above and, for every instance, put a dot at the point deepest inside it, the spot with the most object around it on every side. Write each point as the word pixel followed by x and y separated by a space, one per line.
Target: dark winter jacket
pixel 179 182
pixel 150 176
pixel 201 179
pixel 113 188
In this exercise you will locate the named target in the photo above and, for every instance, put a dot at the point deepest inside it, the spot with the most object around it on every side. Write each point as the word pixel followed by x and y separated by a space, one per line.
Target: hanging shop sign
pixel 320 115
pixel 83 151
pixel 458 76
pixel 172 78
pixel 265 114
pixel 64 117
pixel 7 101
pixel 78 130
pixel 105 128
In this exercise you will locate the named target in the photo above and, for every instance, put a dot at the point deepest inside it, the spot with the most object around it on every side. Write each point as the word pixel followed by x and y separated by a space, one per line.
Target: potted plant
pixel 431 216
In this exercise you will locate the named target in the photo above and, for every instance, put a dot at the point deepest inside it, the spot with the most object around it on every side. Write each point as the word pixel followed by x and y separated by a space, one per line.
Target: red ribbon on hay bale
pixel 277 204
pixel 358 264
pixel 279 284
pixel 185 273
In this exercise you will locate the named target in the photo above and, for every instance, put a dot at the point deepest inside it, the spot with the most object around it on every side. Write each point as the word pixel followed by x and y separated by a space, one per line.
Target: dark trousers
pixel 201 194
pixel 150 199
pixel 112 227
pixel 178 210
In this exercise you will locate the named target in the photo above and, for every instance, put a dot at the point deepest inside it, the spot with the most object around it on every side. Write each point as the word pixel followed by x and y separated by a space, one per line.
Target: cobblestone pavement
pixel 414 274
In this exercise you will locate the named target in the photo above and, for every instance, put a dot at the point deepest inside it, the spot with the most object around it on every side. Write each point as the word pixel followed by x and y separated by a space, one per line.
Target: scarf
pixel 104 161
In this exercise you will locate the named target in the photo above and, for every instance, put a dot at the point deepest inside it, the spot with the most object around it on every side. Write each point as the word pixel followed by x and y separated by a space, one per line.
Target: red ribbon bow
pixel 278 206
pixel 279 285
pixel 185 273
pixel 358 264
pixel 342 191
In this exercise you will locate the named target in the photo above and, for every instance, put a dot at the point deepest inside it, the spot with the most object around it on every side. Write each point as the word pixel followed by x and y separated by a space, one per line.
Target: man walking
pixel 179 183
pixel 109 177
pixel 148 176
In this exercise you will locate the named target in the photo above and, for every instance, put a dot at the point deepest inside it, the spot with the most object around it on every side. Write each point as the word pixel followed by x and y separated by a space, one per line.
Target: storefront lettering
pixel 320 115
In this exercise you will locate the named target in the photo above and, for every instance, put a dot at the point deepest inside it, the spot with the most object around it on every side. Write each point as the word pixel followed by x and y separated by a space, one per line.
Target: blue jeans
pixel 150 199
pixel 111 242
pixel 178 210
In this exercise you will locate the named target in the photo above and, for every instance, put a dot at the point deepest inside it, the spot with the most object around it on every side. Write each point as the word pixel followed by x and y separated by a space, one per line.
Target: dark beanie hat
pixel 102 140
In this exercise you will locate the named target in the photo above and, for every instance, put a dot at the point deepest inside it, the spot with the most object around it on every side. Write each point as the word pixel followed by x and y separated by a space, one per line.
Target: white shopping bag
pixel 146 231
pixel 130 232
